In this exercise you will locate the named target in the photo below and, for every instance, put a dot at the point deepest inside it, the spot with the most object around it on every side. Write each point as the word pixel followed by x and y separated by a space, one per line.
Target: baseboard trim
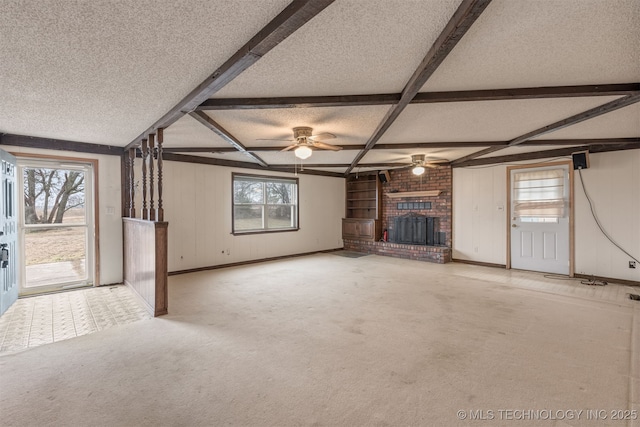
pixel 607 279
pixel 482 264
pixel 253 261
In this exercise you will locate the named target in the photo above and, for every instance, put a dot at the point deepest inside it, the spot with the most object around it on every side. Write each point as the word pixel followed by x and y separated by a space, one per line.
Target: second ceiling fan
pixel 419 163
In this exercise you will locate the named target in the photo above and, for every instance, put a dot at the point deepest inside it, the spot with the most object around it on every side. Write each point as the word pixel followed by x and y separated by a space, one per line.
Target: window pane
pixel 539 194
pixel 280 217
pixel 278 192
pixel 538 219
pixel 55 255
pixel 248 192
pixel 53 196
pixel 263 203
pixel 247 218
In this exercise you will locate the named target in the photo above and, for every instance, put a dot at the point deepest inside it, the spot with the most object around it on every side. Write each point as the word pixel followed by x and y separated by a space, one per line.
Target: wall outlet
pixel 632 264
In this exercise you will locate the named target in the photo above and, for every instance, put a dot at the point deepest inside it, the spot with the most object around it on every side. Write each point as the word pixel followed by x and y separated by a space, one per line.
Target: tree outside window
pixel 49 194
pixel 264 204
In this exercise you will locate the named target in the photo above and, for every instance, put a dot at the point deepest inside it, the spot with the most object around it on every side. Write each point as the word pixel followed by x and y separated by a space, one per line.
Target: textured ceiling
pixel 188 132
pixel 353 47
pixel 350 125
pixel 518 43
pixel 103 71
pixel 483 121
pixel 624 123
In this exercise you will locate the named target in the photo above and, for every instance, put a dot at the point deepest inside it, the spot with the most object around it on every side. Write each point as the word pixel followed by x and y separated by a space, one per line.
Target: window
pixel 264 204
pixel 539 196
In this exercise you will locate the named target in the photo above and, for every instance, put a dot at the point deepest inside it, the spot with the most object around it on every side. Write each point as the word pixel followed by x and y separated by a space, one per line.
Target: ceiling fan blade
pixel 324 146
pixel 435 163
pixel 291 147
pixel 322 136
pixel 274 139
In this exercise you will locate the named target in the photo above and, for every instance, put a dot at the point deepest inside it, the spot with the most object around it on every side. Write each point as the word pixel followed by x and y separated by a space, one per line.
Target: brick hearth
pixel 438 254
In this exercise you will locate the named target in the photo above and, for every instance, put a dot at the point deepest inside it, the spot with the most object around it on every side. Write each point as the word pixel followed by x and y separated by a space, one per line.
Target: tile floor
pixel 44 319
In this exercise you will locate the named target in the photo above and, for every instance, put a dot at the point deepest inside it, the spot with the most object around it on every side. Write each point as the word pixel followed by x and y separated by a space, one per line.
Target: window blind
pixel 539 194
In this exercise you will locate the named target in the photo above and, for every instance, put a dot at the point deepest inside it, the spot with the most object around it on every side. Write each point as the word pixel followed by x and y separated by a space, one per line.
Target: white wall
pixel 613 182
pixel 479 214
pixel 110 221
pixel 197 203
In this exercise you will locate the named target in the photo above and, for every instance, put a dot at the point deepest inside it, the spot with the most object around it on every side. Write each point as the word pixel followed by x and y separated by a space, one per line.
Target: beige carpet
pixel 335 341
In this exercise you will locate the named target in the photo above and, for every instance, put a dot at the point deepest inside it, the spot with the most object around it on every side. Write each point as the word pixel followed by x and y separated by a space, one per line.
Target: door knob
pixel 513 225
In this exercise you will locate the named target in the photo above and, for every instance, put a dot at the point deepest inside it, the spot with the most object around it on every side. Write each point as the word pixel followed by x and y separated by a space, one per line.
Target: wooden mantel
pixel 428 193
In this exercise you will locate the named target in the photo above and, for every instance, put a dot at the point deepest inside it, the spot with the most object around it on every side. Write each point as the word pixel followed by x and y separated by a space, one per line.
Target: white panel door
pixel 8 232
pixel 540 238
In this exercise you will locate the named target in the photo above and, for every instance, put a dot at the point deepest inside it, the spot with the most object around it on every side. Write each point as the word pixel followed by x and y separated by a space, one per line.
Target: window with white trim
pixel 264 204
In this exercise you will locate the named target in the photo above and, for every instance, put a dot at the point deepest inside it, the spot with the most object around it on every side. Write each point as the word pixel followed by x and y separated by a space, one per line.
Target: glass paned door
pixel 56 226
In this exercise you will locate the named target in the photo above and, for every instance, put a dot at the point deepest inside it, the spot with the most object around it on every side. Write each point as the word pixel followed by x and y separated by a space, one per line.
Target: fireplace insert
pixel 413 229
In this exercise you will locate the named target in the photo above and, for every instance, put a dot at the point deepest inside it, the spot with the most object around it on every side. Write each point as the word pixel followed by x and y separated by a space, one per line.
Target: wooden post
pixel 152 211
pixel 132 185
pixel 126 179
pixel 160 210
pixel 145 155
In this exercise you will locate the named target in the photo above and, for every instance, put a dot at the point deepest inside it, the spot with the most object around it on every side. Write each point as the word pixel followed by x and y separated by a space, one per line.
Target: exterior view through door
pixel 540 218
pixel 56 225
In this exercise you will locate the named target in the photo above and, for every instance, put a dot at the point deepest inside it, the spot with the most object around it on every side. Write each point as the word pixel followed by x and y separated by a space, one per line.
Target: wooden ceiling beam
pixel 460 22
pixel 294 16
pixel 212 150
pixel 420 98
pixel 185 158
pixel 547 154
pixel 343 165
pixel 577 118
pixel 212 125
pixel 59 144
pixel 298 102
pixel 419 145
pixel 528 93
pixel 582 141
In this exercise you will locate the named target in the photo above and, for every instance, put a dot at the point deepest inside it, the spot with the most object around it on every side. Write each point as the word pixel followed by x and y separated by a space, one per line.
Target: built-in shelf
pixel 363 207
pixel 428 193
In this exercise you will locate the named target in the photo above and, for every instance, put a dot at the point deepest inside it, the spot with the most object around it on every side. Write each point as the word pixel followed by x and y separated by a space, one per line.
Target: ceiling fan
pixel 419 163
pixel 305 142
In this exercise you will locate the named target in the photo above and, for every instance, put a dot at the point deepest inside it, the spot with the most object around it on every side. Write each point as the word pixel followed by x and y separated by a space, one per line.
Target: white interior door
pixel 8 232
pixel 539 219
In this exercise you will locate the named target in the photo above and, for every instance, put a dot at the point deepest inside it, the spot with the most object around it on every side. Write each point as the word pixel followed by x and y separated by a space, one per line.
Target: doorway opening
pixel 57 217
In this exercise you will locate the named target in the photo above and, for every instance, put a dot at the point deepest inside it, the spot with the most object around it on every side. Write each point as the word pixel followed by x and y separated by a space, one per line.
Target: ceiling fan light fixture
pixel 418 170
pixel 303 152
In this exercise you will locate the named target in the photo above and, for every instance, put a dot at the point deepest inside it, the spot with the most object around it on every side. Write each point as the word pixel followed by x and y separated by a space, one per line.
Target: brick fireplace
pixel 409 196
